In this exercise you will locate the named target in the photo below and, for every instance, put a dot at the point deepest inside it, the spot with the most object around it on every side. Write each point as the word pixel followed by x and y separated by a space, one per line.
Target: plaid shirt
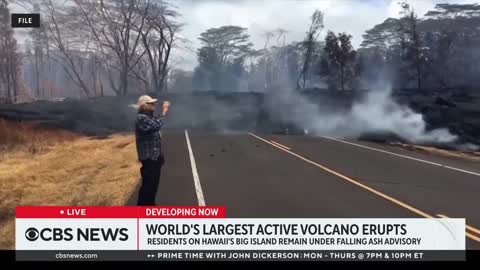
pixel 148 136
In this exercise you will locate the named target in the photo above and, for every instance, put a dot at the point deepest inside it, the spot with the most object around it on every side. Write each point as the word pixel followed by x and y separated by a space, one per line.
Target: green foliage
pixel 341 57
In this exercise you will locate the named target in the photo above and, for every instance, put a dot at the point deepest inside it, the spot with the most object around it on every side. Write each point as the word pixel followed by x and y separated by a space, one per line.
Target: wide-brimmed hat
pixel 142 100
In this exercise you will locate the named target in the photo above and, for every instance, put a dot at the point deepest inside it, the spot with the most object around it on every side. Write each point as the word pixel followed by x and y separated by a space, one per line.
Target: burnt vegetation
pixel 96 57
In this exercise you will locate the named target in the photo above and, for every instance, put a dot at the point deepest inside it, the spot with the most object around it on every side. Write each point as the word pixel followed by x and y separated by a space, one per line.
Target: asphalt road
pixel 305 177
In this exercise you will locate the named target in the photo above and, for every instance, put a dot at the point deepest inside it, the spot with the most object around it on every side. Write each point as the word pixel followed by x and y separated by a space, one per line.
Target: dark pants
pixel 150 171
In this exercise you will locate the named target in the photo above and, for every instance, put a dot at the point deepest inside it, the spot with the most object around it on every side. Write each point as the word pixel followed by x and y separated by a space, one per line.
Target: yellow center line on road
pixel 469 228
pixel 279 144
pixel 357 183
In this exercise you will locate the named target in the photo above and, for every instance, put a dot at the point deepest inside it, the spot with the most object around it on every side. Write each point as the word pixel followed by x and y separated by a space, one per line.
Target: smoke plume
pixel 376 113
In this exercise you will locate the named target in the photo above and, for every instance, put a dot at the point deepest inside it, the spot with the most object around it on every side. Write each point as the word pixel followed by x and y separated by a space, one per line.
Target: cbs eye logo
pixel 32 234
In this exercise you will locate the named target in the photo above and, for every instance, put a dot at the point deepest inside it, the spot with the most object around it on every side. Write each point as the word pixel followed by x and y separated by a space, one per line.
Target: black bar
pixel 238 255
pixel 25 20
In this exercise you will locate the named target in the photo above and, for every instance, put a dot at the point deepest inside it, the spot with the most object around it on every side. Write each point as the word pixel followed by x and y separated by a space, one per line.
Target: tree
pixel 281 34
pixel 381 47
pixel 327 71
pixel 454 11
pixel 272 58
pixel 222 55
pixel 116 26
pixel 40 46
pixel 341 55
pixel 382 36
pixel 126 43
pixel 412 44
pixel 66 41
pixel 9 58
pixel 268 35
pixel 228 43
pixel 449 28
pixel 158 39
pixel 313 32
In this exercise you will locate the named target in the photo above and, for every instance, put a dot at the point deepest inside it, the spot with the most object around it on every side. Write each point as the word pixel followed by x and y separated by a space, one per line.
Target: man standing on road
pixel 149 147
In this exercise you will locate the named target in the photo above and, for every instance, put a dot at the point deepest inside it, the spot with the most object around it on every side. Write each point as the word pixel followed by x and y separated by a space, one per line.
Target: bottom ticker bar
pixel 240 255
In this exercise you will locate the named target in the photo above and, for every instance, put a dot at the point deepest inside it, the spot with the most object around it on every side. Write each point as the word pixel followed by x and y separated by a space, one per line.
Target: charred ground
pixel 459 111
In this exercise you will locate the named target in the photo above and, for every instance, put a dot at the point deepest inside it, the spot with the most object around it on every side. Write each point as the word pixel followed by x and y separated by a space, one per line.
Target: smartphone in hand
pixel 165 107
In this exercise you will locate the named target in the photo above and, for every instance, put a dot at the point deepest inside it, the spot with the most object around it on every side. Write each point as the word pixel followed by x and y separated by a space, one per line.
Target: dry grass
pixel 27 139
pixel 68 170
pixel 471 156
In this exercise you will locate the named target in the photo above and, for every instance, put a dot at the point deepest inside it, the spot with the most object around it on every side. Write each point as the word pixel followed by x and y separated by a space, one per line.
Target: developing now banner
pixel 204 233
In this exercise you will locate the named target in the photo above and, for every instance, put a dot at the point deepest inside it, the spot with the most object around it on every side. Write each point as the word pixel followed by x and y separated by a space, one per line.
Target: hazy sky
pixel 351 16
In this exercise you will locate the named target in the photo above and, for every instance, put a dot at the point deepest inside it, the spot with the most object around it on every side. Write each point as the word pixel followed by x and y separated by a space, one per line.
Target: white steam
pixel 377 112
pixel 380 113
